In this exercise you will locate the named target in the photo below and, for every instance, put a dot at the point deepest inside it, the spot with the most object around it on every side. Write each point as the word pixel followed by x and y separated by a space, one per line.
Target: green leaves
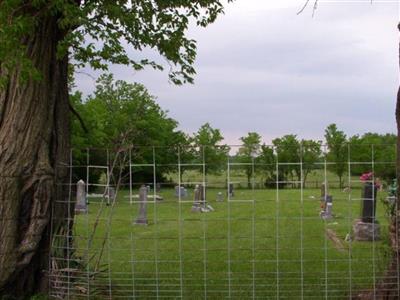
pixel 121 113
pixel 336 141
pixel 157 25
pixel 103 32
pixel 207 142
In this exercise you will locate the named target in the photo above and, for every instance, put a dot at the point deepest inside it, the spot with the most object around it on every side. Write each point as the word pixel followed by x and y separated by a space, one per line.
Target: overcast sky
pixel 261 67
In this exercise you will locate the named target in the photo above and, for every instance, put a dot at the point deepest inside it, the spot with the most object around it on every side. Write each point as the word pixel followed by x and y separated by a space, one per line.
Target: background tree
pixel 266 163
pixel 377 148
pixel 38 39
pixel 207 144
pixel 337 151
pixel 288 152
pixel 248 152
pixel 120 114
pixel 311 153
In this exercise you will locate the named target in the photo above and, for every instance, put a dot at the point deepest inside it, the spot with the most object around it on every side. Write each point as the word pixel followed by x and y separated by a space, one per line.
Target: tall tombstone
pixel 202 195
pixel 367 228
pixel 200 204
pixel 81 205
pixel 323 191
pixel 323 195
pixel 158 187
pixel 198 198
pixel 230 190
pixel 142 217
pixel 368 196
pixel 326 214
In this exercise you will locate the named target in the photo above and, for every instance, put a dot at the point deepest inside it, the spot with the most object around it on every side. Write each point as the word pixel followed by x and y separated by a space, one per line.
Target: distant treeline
pixel 120 114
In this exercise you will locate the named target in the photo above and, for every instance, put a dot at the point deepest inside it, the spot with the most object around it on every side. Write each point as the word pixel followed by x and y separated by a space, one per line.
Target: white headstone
pixel 81 205
pixel 197 202
pixel 220 197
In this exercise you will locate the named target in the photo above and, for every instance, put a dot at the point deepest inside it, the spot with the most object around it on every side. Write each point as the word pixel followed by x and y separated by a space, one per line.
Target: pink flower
pixel 366 176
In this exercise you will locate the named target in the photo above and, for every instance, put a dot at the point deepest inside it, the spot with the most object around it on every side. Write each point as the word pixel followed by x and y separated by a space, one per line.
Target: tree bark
pixel 34 155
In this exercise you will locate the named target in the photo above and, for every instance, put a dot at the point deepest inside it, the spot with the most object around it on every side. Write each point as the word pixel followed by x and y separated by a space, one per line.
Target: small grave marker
pixel 180 192
pixel 220 197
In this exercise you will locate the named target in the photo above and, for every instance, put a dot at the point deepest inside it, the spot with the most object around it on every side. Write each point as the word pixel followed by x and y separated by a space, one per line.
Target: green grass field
pixel 263 244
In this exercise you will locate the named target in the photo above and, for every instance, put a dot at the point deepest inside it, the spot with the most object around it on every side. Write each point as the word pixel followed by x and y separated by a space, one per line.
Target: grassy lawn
pixel 264 244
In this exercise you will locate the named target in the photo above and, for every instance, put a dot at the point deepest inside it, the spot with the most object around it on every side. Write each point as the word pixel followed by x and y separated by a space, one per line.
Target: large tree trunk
pixel 34 155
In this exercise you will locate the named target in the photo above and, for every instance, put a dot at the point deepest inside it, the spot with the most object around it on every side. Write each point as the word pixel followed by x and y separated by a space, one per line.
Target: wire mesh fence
pixel 225 222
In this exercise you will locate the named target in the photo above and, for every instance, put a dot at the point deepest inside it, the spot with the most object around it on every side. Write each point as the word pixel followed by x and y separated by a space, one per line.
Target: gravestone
pixel 326 213
pixel 109 194
pixel 183 192
pixel 148 189
pixel 367 227
pixel 326 203
pixel 177 191
pixel 200 204
pixel 392 193
pixel 81 205
pixel 198 192
pixel 368 196
pixel 323 191
pixel 142 217
pixel 180 192
pixel 158 187
pixel 220 197
pixel 230 190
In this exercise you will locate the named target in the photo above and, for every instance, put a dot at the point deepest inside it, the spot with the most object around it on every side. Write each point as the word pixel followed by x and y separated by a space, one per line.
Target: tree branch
pixel 306 4
pixel 78 117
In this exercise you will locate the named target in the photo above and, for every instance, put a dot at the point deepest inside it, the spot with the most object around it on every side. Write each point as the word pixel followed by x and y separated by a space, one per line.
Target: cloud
pixel 261 67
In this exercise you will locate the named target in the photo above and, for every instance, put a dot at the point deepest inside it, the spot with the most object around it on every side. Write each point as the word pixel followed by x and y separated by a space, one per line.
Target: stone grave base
pixel 201 208
pixel 206 209
pixel 159 198
pixel 391 200
pixel 80 209
pixel 141 222
pixel 325 215
pixel 366 231
pixel 196 209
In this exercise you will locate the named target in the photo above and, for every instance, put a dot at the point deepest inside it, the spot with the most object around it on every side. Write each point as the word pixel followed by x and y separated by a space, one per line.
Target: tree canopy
pixel 207 142
pixel 336 141
pixel 248 152
pixel 101 32
pixel 120 114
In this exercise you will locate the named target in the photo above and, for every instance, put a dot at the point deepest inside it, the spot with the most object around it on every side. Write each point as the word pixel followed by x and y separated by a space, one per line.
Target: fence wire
pixel 225 222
